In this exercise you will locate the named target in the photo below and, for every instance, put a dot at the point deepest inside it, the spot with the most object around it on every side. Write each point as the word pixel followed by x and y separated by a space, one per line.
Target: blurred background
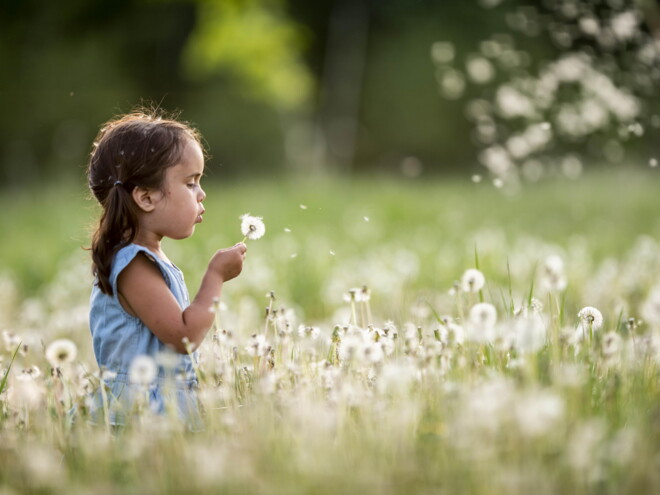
pixel 281 87
pixel 384 142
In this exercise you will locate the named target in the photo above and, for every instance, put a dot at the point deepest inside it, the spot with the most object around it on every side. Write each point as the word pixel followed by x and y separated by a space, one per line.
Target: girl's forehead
pixel 192 159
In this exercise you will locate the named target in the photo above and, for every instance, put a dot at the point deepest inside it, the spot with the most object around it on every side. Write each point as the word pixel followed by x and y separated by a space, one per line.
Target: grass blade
pixel 6 377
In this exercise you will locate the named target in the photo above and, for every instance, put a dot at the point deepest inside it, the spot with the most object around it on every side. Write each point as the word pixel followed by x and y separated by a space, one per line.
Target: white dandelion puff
pixel 591 319
pixel 472 281
pixel 61 352
pixel 252 227
pixel 308 331
pixel 482 320
pixel 257 346
pixel 143 370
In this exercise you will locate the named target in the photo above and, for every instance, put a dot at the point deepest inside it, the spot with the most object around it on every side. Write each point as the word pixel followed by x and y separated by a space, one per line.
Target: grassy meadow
pixel 383 366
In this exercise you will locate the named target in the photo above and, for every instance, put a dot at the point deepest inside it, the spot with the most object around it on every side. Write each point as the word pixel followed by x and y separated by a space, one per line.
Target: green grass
pixel 606 211
pixel 428 414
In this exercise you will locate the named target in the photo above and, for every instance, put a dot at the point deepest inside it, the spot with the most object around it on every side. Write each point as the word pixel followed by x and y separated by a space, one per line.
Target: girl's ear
pixel 145 198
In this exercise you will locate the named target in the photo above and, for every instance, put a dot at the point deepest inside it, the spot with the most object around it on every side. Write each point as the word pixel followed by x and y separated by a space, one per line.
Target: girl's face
pixel 179 207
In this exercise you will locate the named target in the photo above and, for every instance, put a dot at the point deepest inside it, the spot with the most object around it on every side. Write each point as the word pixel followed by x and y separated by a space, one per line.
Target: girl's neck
pixel 152 242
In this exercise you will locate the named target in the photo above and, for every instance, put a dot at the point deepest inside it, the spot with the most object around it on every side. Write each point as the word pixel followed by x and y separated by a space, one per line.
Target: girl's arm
pixel 143 293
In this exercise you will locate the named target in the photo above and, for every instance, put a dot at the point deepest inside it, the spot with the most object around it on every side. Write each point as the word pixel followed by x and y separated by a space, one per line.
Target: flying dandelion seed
pixel 476 178
pixel 303 207
pixel 332 253
pixel 653 162
pixel 287 230
pixel 61 352
pixel 366 219
pixel 252 227
pixel 143 370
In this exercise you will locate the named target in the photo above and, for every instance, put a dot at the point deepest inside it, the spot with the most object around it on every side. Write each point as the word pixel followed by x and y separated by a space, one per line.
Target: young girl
pixel 145 172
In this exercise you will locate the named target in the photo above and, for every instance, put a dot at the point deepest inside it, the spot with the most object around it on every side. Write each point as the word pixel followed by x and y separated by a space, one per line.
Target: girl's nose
pixel 201 195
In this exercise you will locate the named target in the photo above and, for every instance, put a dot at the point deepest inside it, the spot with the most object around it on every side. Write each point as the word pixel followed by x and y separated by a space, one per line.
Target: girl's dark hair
pixel 133 150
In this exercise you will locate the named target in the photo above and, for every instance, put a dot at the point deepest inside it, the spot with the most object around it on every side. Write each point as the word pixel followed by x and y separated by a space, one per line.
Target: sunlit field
pixel 385 335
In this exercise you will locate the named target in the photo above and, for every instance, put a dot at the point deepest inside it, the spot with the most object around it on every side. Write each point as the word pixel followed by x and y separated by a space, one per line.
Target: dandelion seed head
pixel 252 227
pixel 25 393
pixel 257 346
pixel 612 344
pixel 305 331
pixel 472 280
pixel 61 352
pixel 590 317
pixel 143 370
pixel 482 319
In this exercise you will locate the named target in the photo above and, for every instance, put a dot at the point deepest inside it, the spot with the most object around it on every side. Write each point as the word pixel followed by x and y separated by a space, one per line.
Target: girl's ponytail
pixel 117 228
pixel 131 151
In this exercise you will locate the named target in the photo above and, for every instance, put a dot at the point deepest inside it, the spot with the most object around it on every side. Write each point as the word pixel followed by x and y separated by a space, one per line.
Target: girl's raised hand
pixel 228 263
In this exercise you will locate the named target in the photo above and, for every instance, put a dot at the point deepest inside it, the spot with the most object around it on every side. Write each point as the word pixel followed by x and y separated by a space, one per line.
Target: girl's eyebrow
pixel 197 174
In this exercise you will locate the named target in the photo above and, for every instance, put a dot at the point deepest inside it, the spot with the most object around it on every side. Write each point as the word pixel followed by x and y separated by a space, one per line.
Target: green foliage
pixel 254 40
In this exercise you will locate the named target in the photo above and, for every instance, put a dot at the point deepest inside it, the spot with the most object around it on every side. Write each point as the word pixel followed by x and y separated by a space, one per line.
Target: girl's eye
pixel 192 185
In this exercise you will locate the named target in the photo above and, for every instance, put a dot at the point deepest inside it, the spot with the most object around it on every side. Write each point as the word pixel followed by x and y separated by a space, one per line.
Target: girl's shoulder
pixel 126 254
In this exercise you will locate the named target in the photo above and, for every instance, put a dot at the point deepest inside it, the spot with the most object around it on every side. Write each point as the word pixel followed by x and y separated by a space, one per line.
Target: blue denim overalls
pixel 119 337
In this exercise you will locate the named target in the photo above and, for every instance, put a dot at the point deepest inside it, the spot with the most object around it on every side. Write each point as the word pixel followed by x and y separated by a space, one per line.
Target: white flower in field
pixel 61 352
pixel 612 344
pixel 389 328
pixel 455 333
pixel 31 373
pixel 105 374
pixel 308 331
pixel 252 227
pixel 387 344
pixel 349 346
pixel 143 370
pixel 257 346
pixel 482 319
pixel 25 393
pixel 472 280
pixel 372 352
pixel 168 359
pixel 590 318
pixel 651 308
pixel 11 340
pixel 358 294
pixel 538 413
pixel 553 277
pixel 536 306
pixel 529 334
